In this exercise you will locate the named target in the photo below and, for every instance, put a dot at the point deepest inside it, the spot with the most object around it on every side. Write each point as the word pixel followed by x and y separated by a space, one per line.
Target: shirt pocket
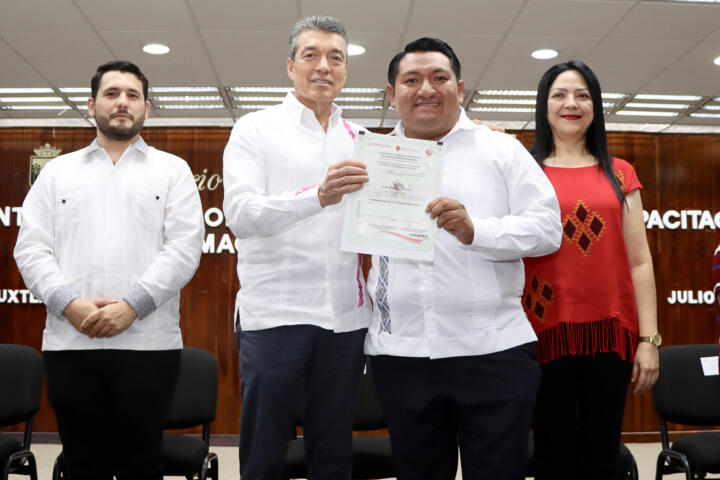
pixel 67 207
pixel 148 205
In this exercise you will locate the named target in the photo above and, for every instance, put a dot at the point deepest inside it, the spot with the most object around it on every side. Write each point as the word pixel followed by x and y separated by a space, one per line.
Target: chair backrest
pixel 683 394
pixel 21 378
pixel 195 396
pixel 368 412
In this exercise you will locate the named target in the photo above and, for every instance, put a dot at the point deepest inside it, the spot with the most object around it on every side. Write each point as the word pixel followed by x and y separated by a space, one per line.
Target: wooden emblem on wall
pixel 43 155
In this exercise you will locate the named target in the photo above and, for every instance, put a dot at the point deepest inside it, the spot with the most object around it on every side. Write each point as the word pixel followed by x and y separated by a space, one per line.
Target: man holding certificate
pixel 301 313
pixel 454 354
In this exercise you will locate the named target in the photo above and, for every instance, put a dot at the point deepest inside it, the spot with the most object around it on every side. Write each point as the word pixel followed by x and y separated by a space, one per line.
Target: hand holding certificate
pixel 387 216
pixel 343 177
pixel 452 217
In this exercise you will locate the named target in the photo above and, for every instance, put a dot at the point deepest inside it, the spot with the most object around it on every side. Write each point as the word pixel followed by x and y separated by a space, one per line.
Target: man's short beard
pixel 119 133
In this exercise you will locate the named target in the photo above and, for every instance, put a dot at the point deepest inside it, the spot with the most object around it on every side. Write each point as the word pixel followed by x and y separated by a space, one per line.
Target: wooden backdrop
pixel 680 173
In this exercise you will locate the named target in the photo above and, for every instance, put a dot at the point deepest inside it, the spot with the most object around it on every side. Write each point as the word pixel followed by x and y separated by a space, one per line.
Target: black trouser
pixel 578 418
pixel 273 364
pixel 110 407
pixel 482 404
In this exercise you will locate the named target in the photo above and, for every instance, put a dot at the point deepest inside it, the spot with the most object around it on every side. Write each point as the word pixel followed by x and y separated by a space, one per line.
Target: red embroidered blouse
pixel 580 299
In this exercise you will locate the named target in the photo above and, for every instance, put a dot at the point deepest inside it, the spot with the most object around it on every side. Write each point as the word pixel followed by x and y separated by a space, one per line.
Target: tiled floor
pixel 645 455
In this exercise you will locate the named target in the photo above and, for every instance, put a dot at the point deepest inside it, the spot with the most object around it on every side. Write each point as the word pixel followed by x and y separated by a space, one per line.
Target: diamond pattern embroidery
pixel 583 227
pixel 381 296
pixel 621 178
pixel 538 298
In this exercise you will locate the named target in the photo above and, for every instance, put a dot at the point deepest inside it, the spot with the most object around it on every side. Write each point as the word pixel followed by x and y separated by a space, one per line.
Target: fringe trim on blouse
pixel 586 339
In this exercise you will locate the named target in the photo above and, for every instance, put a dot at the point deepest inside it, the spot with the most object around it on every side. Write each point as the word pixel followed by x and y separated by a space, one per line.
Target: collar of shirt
pixel 298 110
pixel 138 145
pixel 463 123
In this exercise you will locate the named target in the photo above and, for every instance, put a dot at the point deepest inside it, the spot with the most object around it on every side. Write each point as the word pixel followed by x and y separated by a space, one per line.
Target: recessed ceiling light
pixel 646 113
pixel 76 90
pixel 187 98
pixel 668 106
pixel 35 107
pixel 505 101
pixel 252 107
pixel 182 89
pixel 192 106
pixel 694 1
pixel 526 93
pixel 355 49
pixel 717 61
pixel 30 99
pixel 362 107
pixel 362 90
pixel 358 99
pixel 705 115
pixel 613 95
pixel 156 49
pixel 500 109
pixel 261 89
pixel 26 90
pixel 544 54
pixel 258 99
pixel 679 98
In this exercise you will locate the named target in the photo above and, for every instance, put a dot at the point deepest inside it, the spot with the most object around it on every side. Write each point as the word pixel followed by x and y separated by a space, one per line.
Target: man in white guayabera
pixel 110 234
pixel 301 313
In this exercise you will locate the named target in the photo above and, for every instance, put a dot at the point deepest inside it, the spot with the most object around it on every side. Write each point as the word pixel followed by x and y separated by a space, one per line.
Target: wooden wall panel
pixel 679 172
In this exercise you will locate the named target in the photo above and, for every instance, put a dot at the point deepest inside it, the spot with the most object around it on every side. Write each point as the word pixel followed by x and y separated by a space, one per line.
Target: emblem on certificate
pixel 387 215
pixel 43 155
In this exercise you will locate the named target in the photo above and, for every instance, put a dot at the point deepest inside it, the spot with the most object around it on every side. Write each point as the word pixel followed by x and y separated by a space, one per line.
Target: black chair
pixel 626 458
pixel 372 454
pixel 684 395
pixel 21 376
pixel 193 403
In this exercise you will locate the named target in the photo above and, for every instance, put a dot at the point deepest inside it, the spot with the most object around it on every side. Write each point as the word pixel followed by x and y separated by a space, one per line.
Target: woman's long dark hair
pixel 595 138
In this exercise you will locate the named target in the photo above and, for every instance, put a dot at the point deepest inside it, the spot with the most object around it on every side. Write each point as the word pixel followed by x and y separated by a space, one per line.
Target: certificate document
pixel 387 216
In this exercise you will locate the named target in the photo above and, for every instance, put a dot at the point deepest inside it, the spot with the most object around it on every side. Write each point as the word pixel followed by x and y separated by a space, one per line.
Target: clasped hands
pixel 100 317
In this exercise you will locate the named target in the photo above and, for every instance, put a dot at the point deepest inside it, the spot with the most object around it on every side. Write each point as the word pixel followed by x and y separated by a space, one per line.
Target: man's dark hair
pixel 595 137
pixel 424 44
pixel 117 66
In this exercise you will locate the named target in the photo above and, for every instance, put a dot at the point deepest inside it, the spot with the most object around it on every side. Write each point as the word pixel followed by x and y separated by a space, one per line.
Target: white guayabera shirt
pixel 132 230
pixel 290 266
pixel 467 300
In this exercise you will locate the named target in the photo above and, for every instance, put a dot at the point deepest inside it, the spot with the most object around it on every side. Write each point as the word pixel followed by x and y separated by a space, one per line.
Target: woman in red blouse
pixel 592 303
